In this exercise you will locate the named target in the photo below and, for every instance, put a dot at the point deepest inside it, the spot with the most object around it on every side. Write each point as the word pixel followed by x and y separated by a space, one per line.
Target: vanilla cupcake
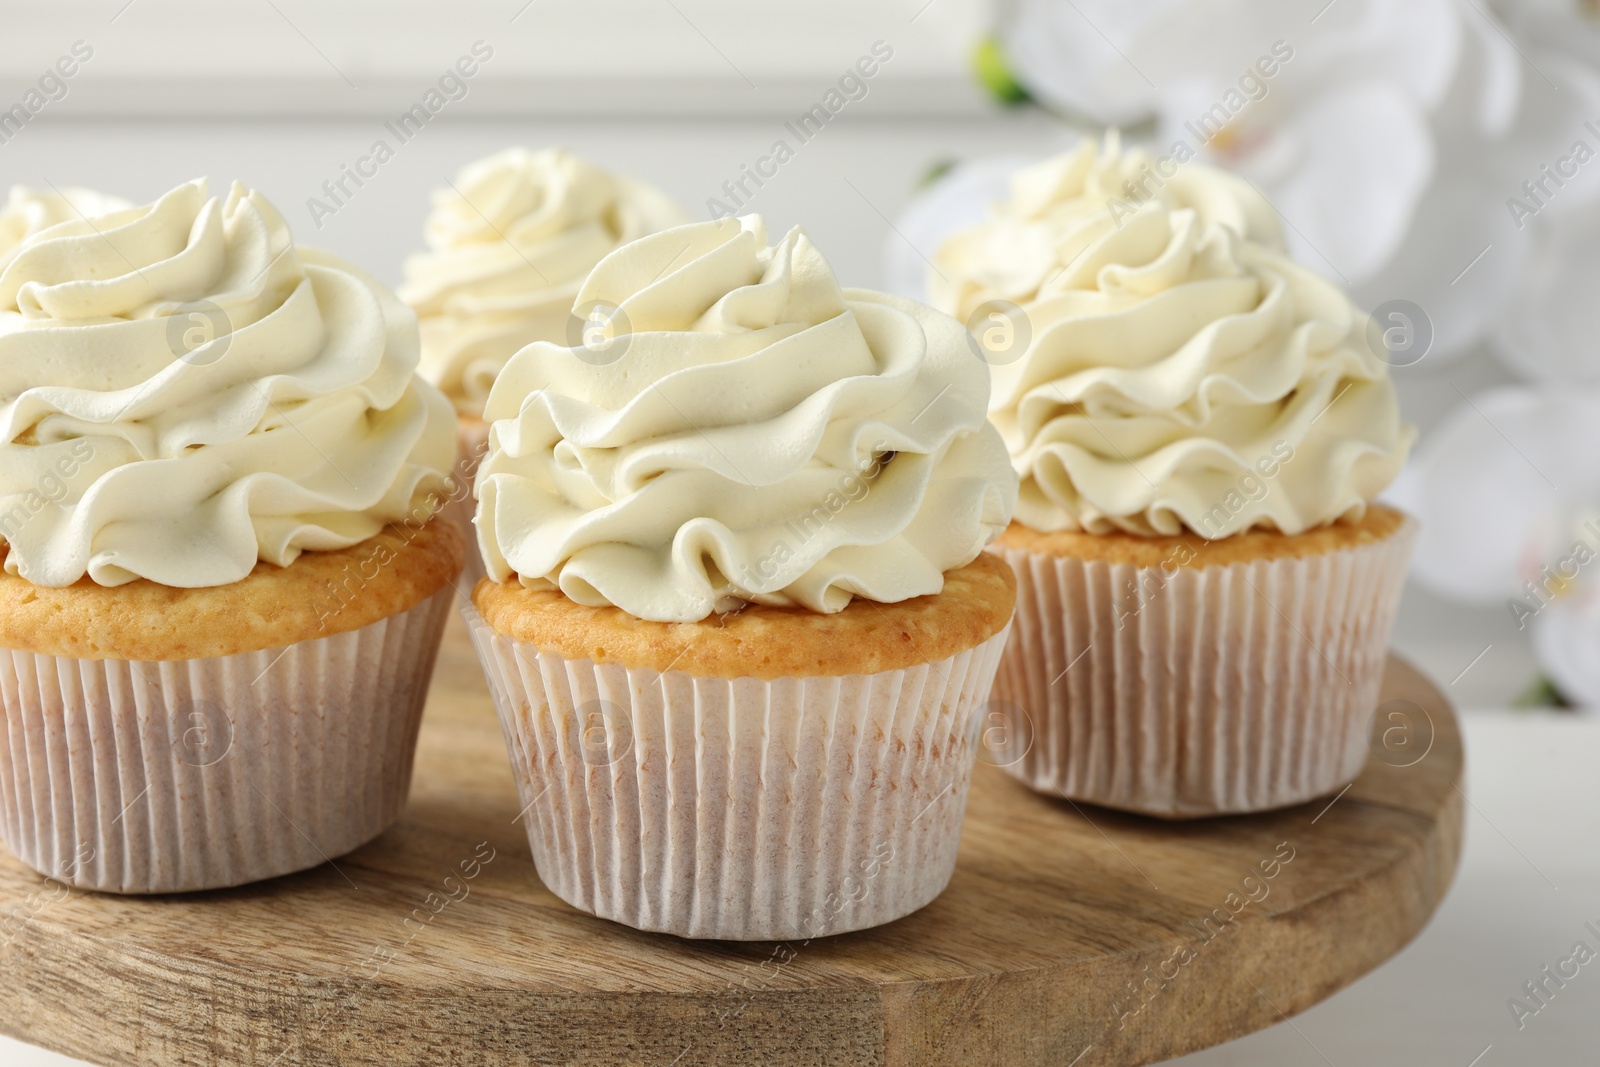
pixel 222 591
pixel 739 621
pixel 509 242
pixel 1200 428
pixel 28 211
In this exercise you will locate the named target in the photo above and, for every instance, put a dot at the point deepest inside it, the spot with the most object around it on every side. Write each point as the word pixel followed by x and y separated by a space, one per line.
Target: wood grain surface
pixel 1068 936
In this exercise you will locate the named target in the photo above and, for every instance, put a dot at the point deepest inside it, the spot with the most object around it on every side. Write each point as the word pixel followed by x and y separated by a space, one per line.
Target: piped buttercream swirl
pixel 758 435
pixel 29 211
pixel 1173 368
pixel 184 393
pixel 509 242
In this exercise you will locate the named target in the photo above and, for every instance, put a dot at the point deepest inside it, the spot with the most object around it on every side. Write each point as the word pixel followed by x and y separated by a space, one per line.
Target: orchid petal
pixel 1494 484
pixel 1551 319
pixel 959 198
pixel 1366 160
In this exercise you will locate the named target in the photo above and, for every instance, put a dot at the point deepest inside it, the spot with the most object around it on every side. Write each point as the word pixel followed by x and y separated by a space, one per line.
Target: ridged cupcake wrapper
pixel 1196 691
pixel 472 441
pixel 158 777
pixel 740 809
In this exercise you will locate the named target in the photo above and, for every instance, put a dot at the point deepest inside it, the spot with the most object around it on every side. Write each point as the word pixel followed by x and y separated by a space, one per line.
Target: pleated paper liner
pixel 159 777
pixel 739 809
pixel 1202 691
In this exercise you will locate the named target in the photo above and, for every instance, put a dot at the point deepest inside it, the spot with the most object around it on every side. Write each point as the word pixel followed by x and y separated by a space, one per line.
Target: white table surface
pixel 1529 880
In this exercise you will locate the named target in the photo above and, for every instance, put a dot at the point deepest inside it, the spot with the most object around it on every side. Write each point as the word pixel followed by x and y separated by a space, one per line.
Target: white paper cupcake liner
pixel 205 773
pixel 740 809
pixel 1196 691
pixel 472 441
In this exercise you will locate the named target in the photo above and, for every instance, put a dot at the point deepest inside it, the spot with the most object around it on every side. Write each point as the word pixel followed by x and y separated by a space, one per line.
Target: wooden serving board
pixel 1069 936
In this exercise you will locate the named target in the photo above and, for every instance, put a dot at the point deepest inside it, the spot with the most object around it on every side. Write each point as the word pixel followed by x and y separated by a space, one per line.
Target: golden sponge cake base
pixel 760 641
pixel 1191 550
pixel 319 594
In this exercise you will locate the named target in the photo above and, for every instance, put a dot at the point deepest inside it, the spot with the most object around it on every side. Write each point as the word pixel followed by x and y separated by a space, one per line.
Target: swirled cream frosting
pixel 183 392
pixel 509 242
pixel 30 211
pixel 1159 363
pixel 740 429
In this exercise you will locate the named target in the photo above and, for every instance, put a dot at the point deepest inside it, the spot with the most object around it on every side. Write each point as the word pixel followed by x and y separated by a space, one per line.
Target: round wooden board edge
pixel 985 1018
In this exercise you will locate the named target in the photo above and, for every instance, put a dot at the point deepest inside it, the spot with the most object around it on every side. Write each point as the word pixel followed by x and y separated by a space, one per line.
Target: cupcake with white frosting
pixel 1200 428
pixel 510 239
pixel 223 588
pixel 738 618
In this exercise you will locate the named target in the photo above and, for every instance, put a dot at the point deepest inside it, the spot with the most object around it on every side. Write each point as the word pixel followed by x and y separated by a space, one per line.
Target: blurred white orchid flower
pixel 1506 489
pixel 1550 317
pixel 1389 135
pixel 1567 26
pixel 1567 645
pixel 1338 133
pixel 960 197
